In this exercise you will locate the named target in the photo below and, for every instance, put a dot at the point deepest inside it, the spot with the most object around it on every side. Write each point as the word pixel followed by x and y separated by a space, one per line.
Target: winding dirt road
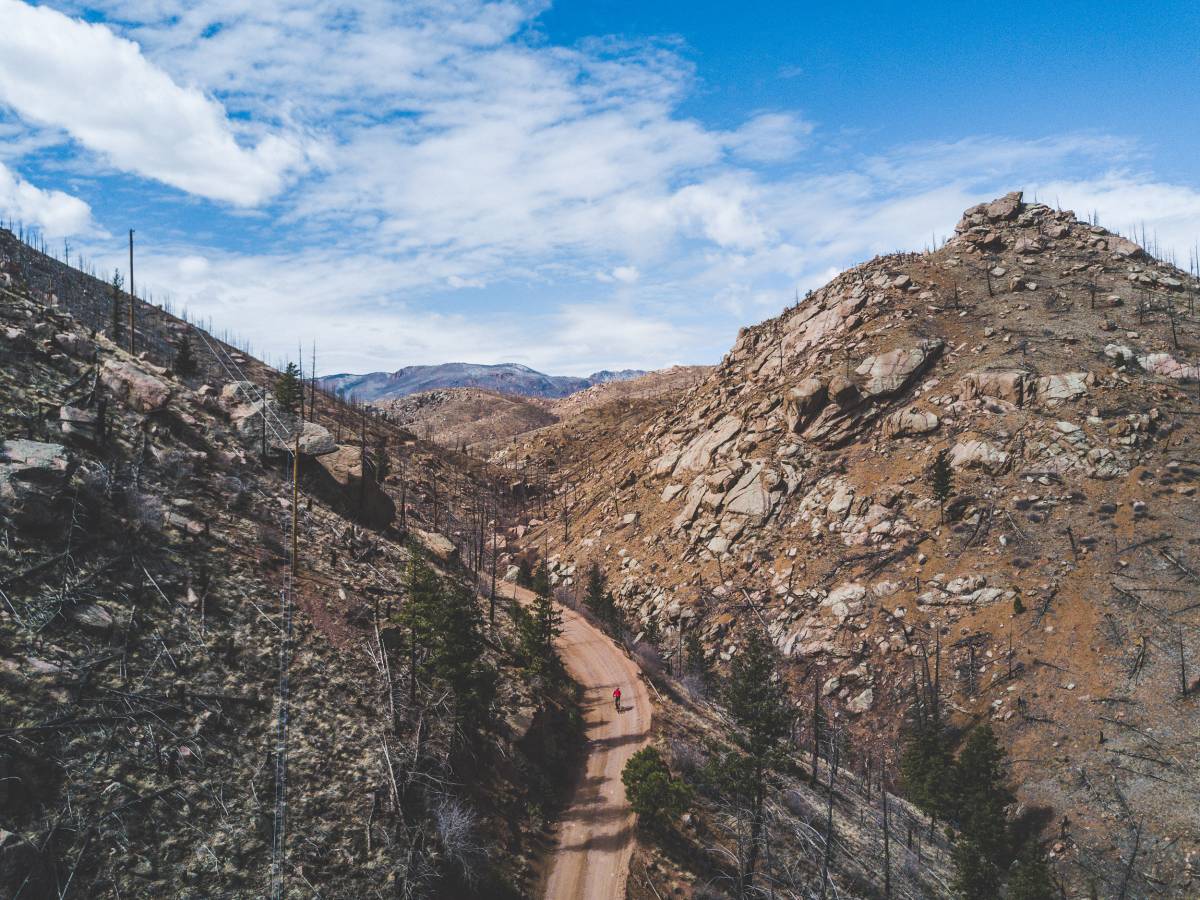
pixel 596 836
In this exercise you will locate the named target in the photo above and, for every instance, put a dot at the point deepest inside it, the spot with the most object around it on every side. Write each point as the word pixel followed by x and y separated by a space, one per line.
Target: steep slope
pixel 147 678
pixel 504 378
pixel 1055 364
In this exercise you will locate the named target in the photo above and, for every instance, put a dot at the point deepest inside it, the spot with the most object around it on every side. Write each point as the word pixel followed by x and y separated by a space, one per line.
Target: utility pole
pixel 295 503
pixel 131 292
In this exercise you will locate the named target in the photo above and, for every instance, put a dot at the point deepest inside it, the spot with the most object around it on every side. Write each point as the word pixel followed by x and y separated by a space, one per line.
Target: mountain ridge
pixel 505 378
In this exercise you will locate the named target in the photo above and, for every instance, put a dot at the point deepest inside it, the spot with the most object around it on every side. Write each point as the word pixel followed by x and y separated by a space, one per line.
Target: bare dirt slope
pixel 596 837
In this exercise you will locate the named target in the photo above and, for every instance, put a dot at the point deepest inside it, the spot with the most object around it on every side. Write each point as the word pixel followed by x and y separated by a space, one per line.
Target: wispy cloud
pixel 436 180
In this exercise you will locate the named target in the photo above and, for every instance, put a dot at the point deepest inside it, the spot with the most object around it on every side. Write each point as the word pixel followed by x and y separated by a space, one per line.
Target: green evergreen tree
pixel 926 765
pixel 981 796
pixel 524 574
pixel 600 601
pixel 597 585
pixel 418 617
pixel 538 626
pixel 1030 878
pixel 288 390
pixel 759 704
pixel 185 361
pixel 456 658
pixel 114 327
pixel 540 584
pixel 942 481
pixel 656 796
pixel 975 876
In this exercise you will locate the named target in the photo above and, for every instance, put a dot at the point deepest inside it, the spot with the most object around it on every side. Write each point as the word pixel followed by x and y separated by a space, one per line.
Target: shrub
pixel 656 796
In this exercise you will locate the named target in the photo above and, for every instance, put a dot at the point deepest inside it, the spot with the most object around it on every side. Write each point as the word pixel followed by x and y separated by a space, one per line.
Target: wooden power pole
pixel 131 292
pixel 295 503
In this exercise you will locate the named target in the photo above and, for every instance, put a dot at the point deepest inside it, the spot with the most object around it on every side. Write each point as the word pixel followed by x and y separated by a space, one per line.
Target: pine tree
pixel 981 796
pixel 600 601
pixel 593 594
pixel 926 766
pixel 975 876
pixel 656 796
pixel 288 390
pixel 185 362
pixel 942 480
pixel 456 658
pixel 540 583
pixel 759 704
pixel 418 618
pixel 1030 878
pixel 114 327
pixel 524 574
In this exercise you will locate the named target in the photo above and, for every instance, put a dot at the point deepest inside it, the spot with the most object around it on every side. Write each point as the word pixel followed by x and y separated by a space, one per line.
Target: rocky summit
pixel 972 471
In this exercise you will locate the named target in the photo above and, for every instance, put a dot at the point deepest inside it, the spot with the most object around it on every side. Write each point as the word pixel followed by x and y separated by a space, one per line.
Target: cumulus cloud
pixel 80 77
pixel 473 191
pixel 56 213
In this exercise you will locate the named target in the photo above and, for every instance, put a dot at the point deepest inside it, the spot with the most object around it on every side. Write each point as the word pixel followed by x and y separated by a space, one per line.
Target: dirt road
pixel 595 839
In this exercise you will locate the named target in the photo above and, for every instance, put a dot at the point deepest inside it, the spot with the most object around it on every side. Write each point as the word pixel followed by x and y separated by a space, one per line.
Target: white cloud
pixel 56 213
pixel 770 137
pixel 1168 214
pixel 99 88
pixel 473 191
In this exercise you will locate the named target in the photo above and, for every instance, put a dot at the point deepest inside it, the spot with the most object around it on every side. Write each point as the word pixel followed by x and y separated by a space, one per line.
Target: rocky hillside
pixel 465 417
pixel 185 713
pixel 503 378
pixel 1055 585
pixel 480 421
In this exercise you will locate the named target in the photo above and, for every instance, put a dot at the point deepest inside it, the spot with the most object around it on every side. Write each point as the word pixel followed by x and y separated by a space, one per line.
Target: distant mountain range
pixel 506 378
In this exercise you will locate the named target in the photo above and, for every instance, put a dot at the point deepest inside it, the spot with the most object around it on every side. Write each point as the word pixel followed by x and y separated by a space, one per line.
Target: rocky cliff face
pixel 1055 364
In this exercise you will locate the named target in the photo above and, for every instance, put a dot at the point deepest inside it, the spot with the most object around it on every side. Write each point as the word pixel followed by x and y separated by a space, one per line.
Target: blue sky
pixel 573 186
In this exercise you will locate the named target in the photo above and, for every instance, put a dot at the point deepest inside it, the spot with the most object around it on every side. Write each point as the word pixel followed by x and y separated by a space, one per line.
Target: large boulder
pixel 909 422
pixel 338 478
pixel 1167 366
pixel 844 392
pixel 750 496
pixel 315 440
pixel 890 373
pixel 238 392
pixel 79 422
pixel 803 402
pixel 699 453
pixel 437 545
pixel 32 478
pixel 1055 389
pixel 1007 386
pixel 1123 248
pixel 1007 207
pixel 139 389
pixel 977 454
